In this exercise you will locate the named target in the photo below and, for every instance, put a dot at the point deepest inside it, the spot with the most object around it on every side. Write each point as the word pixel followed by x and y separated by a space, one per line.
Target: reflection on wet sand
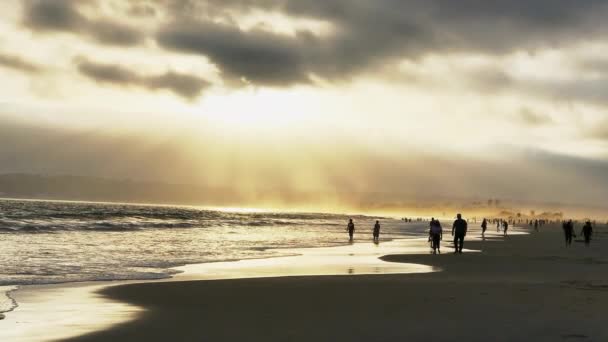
pixel 355 259
pixel 53 312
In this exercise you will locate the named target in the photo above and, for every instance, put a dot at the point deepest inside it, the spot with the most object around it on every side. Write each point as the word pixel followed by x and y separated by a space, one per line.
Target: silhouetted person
pixel 377 231
pixel 505 225
pixel 351 229
pixel 436 235
pixel 484 226
pixel 498 225
pixel 431 223
pixel 459 231
pixel 568 232
pixel 536 225
pixel 587 232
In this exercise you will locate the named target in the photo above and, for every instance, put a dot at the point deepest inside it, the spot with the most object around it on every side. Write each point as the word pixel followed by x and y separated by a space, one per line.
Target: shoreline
pixel 169 273
pixel 13 303
pixel 36 319
pixel 523 288
pixel 176 270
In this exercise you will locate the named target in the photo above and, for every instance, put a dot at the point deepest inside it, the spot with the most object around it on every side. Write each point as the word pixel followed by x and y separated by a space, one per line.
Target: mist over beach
pixel 288 170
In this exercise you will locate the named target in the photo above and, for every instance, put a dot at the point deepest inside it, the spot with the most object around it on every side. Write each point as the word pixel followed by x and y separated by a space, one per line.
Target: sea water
pixel 44 242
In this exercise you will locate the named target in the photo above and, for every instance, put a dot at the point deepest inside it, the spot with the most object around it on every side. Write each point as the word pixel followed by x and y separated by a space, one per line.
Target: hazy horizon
pixel 439 99
pixel 66 188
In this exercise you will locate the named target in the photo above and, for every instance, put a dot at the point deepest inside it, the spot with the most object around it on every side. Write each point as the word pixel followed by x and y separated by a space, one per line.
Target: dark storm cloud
pixel 259 56
pixel 368 34
pixel 57 15
pixel 269 58
pixel 113 33
pixel 64 16
pixel 186 86
pixel 365 35
pixel 18 63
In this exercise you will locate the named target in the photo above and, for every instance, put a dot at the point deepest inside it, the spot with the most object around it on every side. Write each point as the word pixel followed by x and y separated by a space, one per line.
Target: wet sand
pixel 49 313
pixel 525 288
pixel 54 312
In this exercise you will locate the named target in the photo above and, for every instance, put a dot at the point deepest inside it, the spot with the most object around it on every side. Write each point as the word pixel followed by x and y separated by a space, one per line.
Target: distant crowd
pixel 460 228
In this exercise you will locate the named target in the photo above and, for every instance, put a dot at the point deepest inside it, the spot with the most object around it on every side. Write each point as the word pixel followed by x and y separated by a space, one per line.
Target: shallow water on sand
pixel 52 242
pixel 51 312
pixel 353 259
pixel 57 242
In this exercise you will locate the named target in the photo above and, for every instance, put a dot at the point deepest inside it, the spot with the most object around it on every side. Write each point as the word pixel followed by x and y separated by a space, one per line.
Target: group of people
pixel 459 231
pixel 504 224
pixel 537 223
pixel 460 227
pixel 568 227
pixel 350 228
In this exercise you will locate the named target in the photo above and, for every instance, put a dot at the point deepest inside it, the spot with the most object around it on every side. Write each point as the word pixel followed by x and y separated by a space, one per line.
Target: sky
pixel 419 98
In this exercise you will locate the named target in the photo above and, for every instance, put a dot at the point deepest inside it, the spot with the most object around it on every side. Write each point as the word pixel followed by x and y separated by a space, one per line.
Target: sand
pixel 526 288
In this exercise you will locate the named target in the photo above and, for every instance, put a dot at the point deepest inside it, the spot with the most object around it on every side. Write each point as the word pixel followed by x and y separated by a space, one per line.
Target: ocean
pixel 45 242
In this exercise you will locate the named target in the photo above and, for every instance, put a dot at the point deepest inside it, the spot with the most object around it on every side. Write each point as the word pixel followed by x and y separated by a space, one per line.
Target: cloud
pixel 532 118
pixel 585 90
pixel 58 15
pixel 18 63
pixel 64 16
pixel 489 79
pixel 600 131
pixel 113 33
pixel 369 34
pixel 498 80
pixel 141 9
pixel 258 56
pixel 363 36
pixel 186 86
pixel 594 65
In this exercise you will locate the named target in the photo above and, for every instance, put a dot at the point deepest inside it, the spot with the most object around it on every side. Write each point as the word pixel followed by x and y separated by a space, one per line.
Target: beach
pixel 522 288
pixel 57 256
pixel 281 170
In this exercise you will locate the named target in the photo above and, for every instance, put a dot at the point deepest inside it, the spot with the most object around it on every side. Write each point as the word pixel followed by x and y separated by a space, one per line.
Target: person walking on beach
pixel 459 231
pixel 431 223
pixel 436 235
pixel 505 227
pixel 377 231
pixel 536 225
pixel 498 225
pixel 351 229
pixel 484 226
pixel 568 232
pixel 586 232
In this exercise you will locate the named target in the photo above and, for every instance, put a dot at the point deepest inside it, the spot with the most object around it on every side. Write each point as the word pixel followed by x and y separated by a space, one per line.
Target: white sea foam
pixel 7 303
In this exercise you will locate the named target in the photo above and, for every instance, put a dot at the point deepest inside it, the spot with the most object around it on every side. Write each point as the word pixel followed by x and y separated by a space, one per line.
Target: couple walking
pixel 587 231
pixel 459 231
pixel 350 228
